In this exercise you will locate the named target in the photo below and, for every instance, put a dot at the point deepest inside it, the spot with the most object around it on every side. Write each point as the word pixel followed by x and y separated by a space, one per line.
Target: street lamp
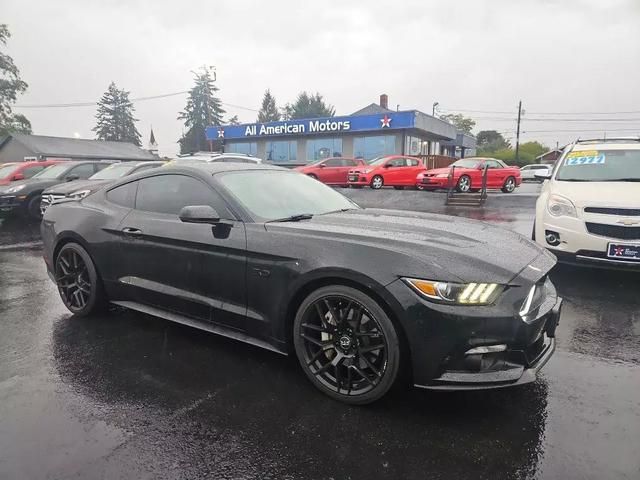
pixel 433 110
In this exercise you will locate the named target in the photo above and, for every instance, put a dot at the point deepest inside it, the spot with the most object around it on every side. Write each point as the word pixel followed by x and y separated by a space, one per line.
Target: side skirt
pixel 199 324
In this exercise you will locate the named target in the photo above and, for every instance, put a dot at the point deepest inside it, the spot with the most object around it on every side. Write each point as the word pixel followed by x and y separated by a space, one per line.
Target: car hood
pixel 32 184
pixel 436 171
pixel 432 246
pixel 599 194
pixel 70 187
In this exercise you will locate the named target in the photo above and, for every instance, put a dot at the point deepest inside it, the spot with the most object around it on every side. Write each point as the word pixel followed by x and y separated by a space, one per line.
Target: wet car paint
pixel 129 396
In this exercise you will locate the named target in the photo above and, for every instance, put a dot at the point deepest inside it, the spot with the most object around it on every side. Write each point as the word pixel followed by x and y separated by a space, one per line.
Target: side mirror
pixel 18 176
pixel 199 214
pixel 71 178
pixel 542 174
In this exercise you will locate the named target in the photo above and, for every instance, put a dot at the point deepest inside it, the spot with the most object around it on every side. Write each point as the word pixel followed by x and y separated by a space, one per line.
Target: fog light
pixel 486 349
pixel 552 238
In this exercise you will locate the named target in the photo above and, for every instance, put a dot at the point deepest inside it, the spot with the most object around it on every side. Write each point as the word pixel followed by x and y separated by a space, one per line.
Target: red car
pixel 332 171
pixel 10 172
pixel 467 175
pixel 398 171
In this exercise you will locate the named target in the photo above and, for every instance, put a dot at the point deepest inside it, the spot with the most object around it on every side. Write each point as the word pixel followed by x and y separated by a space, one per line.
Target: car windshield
pixel 7 170
pixel 54 171
pixel 600 166
pixel 112 172
pixel 271 195
pixel 466 163
pixel 378 161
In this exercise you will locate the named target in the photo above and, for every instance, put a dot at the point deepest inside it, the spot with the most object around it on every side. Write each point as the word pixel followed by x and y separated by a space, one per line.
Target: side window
pixel 82 171
pixel 334 162
pixel 398 162
pixel 412 162
pixel 124 195
pixel 169 193
pixel 493 164
pixel 349 162
pixel 31 171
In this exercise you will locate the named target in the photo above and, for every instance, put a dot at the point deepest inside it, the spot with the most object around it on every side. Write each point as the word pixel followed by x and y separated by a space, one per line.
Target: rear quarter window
pixel 124 195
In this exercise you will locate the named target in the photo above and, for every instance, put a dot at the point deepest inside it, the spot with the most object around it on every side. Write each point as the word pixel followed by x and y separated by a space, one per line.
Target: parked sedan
pixel 12 172
pixel 273 258
pixel 398 171
pixel 332 171
pixel 467 175
pixel 528 172
pixel 82 188
pixel 24 196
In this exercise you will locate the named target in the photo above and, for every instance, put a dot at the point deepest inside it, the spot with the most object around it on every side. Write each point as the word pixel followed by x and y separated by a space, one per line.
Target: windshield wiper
pixel 339 210
pixel 293 218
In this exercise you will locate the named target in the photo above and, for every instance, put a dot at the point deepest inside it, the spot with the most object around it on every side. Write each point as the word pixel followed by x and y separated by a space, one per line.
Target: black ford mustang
pixel 276 259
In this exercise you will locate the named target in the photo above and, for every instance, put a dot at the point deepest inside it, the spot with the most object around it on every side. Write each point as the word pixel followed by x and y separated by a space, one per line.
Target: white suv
pixel 588 211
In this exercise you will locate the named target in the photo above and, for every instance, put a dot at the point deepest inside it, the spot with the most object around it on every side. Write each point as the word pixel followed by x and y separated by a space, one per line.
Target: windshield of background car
pixel 466 163
pixel 600 166
pixel 111 172
pixel 270 195
pixel 378 161
pixel 52 172
pixel 7 170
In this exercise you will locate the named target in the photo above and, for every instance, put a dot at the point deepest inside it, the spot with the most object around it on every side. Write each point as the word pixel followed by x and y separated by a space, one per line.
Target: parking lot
pixel 126 395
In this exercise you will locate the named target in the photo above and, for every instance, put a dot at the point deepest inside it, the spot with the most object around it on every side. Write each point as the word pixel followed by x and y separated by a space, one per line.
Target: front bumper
pixel 11 203
pixel 452 347
pixel 358 179
pixel 433 182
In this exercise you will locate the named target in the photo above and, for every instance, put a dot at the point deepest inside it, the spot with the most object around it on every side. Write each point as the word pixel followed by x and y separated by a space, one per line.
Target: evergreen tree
pixel 308 106
pixel 115 120
pixel 233 120
pixel 11 85
pixel 203 109
pixel 268 112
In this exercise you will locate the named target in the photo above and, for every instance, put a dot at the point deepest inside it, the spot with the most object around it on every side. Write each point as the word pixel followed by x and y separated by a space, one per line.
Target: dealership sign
pixel 311 126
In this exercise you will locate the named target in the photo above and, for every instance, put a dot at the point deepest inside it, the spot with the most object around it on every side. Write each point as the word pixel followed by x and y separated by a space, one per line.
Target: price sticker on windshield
pixel 587 157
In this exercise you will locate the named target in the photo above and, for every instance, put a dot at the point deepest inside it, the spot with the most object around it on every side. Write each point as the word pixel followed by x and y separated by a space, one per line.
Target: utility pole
pixel 518 131
pixel 433 109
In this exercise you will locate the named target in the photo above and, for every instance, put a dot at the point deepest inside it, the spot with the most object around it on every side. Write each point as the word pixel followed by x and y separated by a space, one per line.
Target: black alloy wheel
pixel 346 344
pixel 78 284
pixel 509 185
pixel 464 184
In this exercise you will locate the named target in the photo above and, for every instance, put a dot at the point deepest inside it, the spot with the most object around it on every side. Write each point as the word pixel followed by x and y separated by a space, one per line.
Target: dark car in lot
pixel 364 298
pixel 82 188
pixel 24 196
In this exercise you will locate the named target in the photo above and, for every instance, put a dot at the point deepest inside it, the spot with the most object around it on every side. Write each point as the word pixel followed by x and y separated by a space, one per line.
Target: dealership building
pixel 368 133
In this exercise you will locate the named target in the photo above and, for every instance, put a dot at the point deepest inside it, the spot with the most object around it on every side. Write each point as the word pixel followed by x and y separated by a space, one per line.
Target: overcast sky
pixel 474 56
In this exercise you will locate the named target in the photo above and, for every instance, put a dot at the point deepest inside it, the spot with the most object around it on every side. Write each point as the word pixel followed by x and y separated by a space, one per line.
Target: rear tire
pixel 509 185
pixel 464 184
pixel 79 285
pixel 335 334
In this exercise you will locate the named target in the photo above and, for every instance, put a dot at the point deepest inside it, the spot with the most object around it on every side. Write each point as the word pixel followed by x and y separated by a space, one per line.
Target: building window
pixel 372 147
pixel 415 146
pixel 248 148
pixel 320 148
pixel 282 151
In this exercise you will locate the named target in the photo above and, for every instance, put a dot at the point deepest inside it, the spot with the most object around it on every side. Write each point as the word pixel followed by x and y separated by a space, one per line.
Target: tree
pixel 233 120
pixel 308 106
pixel 203 109
pixel 528 153
pixel 11 85
pixel 268 111
pixel 462 123
pixel 488 141
pixel 115 120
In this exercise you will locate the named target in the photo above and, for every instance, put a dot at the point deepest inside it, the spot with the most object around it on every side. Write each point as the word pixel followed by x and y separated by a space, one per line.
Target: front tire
pixel 464 184
pixel 509 185
pixel 346 344
pixel 377 182
pixel 79 284
pixel 33 207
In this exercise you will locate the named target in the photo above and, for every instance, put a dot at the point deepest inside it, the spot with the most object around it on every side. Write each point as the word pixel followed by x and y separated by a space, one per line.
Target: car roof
pixel 219 167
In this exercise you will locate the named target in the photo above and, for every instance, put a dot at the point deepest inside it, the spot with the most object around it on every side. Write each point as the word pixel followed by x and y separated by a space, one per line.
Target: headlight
pixel 442 175
pixel 457 293
pixel 80 194
pixel 15 189
pixel 559 206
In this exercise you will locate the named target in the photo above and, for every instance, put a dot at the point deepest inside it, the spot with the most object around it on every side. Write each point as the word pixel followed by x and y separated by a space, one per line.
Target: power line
pixel 513 112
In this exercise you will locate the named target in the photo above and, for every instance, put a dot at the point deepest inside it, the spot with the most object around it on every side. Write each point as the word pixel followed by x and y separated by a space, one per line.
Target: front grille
pixel 48 199
pixel 625 212
pixel 6 200
pixel 614 231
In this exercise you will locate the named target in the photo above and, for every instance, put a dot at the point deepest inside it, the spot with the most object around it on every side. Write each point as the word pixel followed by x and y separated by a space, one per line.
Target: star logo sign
pixel 385 121
pixel 220 133
pixel 618 251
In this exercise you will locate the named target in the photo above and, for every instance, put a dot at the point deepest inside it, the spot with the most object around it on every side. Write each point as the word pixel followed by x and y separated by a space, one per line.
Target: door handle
pixel 131 232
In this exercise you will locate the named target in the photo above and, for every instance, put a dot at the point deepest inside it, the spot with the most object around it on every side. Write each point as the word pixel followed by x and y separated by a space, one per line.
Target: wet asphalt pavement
pixel 129 396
